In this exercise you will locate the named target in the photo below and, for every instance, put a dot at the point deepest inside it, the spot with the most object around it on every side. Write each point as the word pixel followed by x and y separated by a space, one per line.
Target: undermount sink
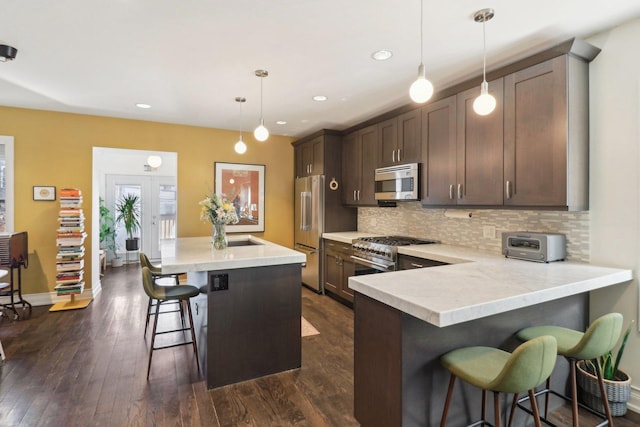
pixel 243 242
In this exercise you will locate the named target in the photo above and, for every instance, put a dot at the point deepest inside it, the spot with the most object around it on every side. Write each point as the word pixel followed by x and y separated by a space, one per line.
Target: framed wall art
pixel 244 186
pixel 45 192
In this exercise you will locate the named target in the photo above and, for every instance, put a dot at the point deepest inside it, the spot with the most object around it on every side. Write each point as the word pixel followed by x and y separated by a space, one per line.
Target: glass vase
pixel 219 235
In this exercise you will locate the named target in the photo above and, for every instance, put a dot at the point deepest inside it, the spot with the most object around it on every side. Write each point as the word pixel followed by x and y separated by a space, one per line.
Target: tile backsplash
pixel 410 219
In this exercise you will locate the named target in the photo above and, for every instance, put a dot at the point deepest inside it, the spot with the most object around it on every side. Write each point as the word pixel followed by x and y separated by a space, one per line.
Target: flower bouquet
pixel 219 211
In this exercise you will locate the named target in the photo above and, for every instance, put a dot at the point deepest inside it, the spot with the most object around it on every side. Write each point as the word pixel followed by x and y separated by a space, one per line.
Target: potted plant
pixel 108 234
pixel 617 383
pixel 128 210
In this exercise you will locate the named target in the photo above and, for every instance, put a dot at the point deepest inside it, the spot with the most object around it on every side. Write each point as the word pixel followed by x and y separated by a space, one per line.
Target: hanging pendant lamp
pixel 261 133
pixel 240 146
pixel 485 103
pixel 422 89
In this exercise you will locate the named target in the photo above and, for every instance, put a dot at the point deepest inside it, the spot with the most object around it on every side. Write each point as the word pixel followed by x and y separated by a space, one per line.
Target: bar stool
pixel 179 293
pixel 499 371
pixel 600 338
pixel 156 273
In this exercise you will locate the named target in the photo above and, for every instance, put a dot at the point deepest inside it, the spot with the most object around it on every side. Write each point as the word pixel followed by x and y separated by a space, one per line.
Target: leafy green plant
pixel 608 365
pixel 128 210
pixel 108 231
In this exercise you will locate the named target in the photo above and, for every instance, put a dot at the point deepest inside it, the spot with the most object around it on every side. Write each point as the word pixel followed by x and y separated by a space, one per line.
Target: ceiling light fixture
pixel 240 146
pixel 382 55
pixel 485 103
pixel 7 53
pixel 154 161
pixel 422 89
pixel 320 98
pixel 281 122
pixel 261 133
pixel 143 105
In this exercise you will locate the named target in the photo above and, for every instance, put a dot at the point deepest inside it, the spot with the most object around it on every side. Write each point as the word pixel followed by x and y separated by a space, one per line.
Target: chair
pixel 600 338
pixel 178 293
pixel 499 371
pixel 156 273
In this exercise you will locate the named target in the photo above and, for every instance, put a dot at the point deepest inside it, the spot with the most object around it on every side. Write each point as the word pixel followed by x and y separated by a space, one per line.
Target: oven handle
pixel 370 263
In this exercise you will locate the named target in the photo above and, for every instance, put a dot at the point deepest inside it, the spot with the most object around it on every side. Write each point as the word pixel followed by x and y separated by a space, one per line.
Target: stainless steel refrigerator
pixel 309 226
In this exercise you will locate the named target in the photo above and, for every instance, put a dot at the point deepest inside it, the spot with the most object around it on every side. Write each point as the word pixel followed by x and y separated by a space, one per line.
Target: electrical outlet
pixel 489 232
pixel 218 282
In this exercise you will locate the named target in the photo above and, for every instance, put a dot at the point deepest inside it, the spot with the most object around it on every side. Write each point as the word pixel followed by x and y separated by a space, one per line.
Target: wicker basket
pixel 618 392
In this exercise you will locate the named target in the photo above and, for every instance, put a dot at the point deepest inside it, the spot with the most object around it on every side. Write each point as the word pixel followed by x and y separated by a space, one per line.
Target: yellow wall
pixel 56 149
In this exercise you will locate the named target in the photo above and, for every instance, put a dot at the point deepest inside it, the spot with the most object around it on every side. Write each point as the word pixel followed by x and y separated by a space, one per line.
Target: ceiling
pixel 190 59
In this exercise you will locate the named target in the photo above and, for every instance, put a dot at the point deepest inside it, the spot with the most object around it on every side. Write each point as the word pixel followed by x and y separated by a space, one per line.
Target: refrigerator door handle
pixel 305 211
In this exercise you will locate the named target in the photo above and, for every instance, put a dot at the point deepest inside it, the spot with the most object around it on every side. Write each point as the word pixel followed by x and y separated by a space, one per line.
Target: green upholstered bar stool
pixel 499 371
pixel 180 293
pixel 601 336
pixel 156 273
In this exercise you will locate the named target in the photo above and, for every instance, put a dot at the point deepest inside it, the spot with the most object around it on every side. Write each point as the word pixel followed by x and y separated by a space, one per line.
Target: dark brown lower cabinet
pixel 338 267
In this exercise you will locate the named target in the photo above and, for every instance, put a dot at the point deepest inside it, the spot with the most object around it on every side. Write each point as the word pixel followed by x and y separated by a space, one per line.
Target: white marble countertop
pixel 195 254
pixel 478 284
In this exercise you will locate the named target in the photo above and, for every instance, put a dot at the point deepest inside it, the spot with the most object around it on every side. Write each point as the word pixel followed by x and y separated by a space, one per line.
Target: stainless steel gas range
pixel 380 254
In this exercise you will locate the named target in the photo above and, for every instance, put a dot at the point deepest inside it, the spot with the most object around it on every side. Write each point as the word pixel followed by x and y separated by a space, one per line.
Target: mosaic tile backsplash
pixel 410 219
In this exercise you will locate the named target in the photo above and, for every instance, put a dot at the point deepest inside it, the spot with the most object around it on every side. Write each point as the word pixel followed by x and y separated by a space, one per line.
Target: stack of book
pixel 70 241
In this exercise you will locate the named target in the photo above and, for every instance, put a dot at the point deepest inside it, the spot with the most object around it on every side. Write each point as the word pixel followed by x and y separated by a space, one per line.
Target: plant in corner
pixel 617 382
pixel 128 210
pixel 108 231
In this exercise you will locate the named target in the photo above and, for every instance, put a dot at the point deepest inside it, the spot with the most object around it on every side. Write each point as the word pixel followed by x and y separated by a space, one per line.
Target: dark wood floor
pixel 87 368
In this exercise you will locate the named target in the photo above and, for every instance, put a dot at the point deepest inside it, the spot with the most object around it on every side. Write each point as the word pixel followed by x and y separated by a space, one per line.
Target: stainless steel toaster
pixel 540 247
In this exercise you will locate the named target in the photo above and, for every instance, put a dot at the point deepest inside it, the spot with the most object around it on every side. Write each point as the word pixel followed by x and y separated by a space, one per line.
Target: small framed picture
pixel 44 193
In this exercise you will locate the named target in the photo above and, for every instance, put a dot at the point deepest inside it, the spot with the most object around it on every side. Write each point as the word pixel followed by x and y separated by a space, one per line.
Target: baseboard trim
pixel 50 298
pixel 634 401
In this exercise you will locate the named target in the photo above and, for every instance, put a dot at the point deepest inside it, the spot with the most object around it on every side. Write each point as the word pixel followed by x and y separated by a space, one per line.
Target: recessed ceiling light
pixel 141 105
pixel 382 55
pixel 281 122
pixel 319 98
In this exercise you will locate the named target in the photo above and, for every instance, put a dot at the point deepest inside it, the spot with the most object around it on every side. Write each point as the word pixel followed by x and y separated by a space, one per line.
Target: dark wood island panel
pixel 252 328
pixel 398 379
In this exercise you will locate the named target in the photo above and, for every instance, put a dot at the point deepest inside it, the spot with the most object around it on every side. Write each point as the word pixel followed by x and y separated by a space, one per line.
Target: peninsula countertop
pixel 196 254
pixel 476 284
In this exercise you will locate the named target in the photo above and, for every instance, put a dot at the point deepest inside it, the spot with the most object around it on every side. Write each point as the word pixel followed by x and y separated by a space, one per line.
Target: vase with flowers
pixel 219 211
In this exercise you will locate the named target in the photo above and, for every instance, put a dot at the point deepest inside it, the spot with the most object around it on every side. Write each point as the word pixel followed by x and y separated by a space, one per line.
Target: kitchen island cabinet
pixel 404 322
pixel 248 314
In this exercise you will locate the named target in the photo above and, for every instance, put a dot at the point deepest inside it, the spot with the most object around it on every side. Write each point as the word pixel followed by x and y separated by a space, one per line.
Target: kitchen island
pixel 247 316
pixel 405 320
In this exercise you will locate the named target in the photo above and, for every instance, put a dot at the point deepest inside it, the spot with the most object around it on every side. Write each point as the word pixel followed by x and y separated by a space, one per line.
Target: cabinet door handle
pixel 508 189
pixel 398 154
pixel 459 191
pixel 451 192
pixel 413 264
pixel 354 195
pixel 393 156
pixel 358 194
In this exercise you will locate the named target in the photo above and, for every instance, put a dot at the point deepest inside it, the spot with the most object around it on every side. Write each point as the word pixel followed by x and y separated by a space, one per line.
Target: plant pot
pixel 133 244
pixel 618 391
pixel 116 262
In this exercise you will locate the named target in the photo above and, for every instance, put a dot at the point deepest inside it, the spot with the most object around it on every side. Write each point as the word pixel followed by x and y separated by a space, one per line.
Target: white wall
pixel 614 178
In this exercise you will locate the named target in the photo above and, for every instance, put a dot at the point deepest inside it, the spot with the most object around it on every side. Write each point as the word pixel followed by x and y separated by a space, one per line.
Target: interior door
pixel 158 196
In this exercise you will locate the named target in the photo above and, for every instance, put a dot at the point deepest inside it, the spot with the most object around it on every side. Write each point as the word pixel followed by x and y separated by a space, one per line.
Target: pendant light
pixel 422 89
pixel 240 146
pixel 261 133
pixel 485 103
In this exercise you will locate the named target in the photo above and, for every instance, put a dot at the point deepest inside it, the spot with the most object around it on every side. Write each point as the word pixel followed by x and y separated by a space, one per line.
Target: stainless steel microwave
pixel 397 182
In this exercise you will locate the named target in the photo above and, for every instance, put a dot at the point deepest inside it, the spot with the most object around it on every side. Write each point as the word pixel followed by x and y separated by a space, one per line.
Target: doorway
pixel 158 198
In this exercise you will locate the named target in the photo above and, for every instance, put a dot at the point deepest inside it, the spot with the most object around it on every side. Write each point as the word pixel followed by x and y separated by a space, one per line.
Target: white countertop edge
pixel 347 236
pixel 234 257
pixel 496 306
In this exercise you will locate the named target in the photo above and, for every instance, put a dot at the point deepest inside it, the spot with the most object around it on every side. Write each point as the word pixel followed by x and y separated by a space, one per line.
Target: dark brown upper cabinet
pixel 479 149
pixel 399 139
pixel 359 160
pixel 546 135
pixel 309 157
